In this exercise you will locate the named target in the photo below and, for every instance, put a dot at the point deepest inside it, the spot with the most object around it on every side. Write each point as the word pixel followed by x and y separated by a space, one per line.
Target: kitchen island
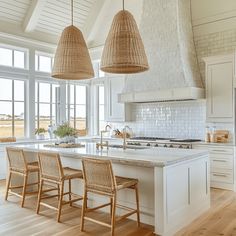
pixel 173 183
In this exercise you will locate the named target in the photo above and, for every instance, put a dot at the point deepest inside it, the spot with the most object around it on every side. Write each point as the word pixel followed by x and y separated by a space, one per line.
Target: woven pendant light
pixel 124 52
pixel 72 60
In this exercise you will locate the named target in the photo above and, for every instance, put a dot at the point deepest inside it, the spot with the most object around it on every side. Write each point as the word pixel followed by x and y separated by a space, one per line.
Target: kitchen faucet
pixel 102 144
pixel 124 135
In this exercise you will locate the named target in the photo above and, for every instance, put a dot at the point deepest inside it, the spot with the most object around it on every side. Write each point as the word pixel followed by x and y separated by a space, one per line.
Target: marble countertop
pixel 148 157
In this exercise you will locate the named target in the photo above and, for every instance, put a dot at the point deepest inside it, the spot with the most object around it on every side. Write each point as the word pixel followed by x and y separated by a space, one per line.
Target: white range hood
pixel 175 94
pixel 174 73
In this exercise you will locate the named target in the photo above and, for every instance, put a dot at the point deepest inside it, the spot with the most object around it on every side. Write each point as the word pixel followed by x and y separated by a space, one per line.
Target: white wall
pixel 214 27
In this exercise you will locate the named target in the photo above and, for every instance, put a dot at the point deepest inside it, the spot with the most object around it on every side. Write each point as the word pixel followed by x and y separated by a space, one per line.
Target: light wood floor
pixel 220 220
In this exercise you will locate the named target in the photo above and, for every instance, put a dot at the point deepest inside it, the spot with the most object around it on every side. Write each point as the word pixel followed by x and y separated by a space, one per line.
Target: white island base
pixel 172 191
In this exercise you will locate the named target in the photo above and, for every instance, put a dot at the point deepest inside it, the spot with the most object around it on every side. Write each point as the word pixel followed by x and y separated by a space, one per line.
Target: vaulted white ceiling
pixel 44 20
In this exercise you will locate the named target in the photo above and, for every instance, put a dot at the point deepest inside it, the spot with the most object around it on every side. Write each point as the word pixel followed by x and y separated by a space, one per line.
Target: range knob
pixel 171 146
pixel 188 147
pixel 156 145
pixel 148 144
pixel 165 145
pixel 180 146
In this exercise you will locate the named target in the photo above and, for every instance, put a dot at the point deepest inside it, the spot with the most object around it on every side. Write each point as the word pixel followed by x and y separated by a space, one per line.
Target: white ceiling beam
pixel 33 15
pixel 95 18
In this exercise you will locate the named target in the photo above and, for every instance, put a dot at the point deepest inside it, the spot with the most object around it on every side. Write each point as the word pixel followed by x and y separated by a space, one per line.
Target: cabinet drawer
pixel 221 150
pixel 222 163
pixel 222 176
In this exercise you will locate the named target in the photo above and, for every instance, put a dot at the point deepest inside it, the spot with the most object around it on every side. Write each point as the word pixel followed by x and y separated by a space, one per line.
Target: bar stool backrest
pixel 16 159
pixel 50 166
pixel 98 175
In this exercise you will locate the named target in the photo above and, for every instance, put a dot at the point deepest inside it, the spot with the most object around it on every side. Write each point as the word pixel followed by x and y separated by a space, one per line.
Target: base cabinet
pixel 3 164
pixel 222 166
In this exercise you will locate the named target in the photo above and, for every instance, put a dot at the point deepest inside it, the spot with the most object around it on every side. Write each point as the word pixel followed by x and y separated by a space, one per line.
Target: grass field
pixel 6 127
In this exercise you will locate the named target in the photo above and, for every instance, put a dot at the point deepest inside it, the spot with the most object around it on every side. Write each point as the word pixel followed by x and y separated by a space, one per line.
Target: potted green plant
pixel 40 133
pixel 66 133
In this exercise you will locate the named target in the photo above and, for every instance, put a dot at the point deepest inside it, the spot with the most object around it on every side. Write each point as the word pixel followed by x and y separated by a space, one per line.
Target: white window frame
pixel 13 103
pixel 68 103
pixel 16 48
pixel 40 53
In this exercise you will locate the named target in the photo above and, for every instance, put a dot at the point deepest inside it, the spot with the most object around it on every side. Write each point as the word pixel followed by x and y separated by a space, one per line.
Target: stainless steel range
pixel 162 142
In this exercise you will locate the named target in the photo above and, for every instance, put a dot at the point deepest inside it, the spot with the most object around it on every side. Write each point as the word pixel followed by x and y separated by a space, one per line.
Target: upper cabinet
pixel 116 112
pixel 219 88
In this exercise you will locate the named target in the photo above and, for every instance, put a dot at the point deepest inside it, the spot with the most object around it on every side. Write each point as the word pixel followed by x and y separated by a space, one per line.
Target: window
pixel 76 107
pixel 43 63
pixel 101 108
pixel 45 104
pixel 13 57
pixel 97 72
pixel 12 108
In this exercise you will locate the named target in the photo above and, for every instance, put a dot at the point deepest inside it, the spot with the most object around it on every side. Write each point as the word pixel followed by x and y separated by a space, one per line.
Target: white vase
pixel 40 137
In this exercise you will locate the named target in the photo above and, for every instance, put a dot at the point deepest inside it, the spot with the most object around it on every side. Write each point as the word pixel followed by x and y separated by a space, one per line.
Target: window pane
pixel 36 92
pixel 36 62
pixel 72 94
pixel 53 113
pixel 54 88
pixel 44 64
pixel 72 111
pixel 5 119
pixel 19 59
pixel 101 73
pixel 96 69
pixel 80 94
pixel 19 119
pixel 5 57
pixel 19 90
pixel 101 94
pixel 44 116
pixel 44 92
pixel 101 112
pixel 5 89
pixel 80 111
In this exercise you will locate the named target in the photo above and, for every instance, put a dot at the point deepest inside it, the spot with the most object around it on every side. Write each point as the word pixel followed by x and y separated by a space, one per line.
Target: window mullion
pixel 74 106
pixel 38 115
pixel 13 110
pixel 50 104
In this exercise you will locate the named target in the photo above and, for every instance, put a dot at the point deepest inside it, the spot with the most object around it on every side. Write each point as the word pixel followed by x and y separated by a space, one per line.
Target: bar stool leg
pixel 70 192
pixel 137 203
pixel 24 189
pixel 60 201
pixel 8 185
pixel 39 196
pixel 113 216
pixel 84 207
pixel 111 201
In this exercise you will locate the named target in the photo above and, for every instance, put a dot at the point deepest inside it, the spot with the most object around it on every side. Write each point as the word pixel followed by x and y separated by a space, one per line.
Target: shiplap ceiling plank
pixel 50 17
pixel 33 14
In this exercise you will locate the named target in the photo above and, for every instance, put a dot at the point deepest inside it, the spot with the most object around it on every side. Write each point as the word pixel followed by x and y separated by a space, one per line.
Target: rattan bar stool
pixel 99 179
pixel 19 166
pixel 52 173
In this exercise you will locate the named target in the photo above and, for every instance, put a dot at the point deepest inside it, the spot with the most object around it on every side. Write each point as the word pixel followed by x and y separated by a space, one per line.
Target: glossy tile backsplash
pixel 179 119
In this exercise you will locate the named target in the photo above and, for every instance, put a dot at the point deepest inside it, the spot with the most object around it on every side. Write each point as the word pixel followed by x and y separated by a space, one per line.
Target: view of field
pixel 6 127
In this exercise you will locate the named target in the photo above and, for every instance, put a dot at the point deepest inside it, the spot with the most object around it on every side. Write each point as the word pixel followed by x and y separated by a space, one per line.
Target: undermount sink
pixel 127 147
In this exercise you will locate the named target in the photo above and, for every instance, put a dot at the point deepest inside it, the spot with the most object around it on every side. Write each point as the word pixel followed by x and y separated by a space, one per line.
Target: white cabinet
pixel 219 88
pixel 3 163
pixel 222 165
pixel 116 112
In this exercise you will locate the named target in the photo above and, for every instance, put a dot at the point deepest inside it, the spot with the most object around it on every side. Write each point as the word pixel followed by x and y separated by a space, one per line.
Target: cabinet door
pixel 220 91
pixel 115 110
pixel 3 164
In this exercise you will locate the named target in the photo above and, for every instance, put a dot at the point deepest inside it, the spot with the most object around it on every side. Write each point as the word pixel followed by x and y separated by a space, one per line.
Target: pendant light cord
pixel 72 13
pixel 123 4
